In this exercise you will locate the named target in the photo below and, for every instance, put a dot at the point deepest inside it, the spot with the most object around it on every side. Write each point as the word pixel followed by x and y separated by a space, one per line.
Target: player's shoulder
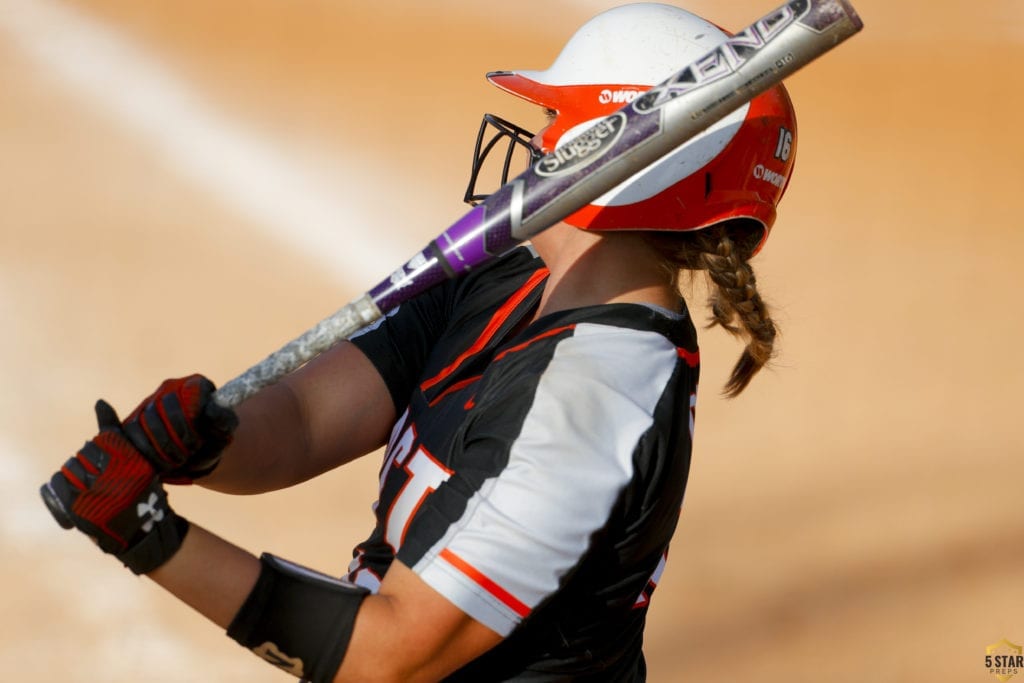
pixel 478 294
pixel 624 345
pixel 629 350
pixel 508 271
pixel 621 331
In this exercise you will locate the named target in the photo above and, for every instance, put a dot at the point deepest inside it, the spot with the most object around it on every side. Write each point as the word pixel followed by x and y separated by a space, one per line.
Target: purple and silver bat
pixel 562 182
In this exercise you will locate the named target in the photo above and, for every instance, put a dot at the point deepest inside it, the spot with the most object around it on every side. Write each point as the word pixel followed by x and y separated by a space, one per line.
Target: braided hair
pixel 723 252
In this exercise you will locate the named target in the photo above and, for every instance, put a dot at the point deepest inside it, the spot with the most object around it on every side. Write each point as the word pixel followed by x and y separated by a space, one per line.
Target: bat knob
pixel 55 507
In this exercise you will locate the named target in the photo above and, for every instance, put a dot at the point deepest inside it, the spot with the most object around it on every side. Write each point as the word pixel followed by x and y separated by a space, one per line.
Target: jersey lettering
pixel 399 446
pixel 424 474
pixel 693 413
pixel 644 599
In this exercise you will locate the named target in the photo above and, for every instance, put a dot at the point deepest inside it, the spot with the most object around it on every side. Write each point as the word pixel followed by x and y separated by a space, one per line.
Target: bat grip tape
pixel 298 619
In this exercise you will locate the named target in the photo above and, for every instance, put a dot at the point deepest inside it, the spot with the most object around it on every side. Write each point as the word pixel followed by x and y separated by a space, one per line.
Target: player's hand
pixel 110 492
pixel 181 429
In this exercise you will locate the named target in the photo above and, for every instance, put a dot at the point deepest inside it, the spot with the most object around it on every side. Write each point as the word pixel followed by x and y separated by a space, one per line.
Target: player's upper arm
pixel 408 632
pixel 330 411
pixel 499 537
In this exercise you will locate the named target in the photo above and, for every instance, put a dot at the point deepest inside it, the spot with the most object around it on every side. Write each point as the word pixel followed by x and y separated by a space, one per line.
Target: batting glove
pixel 181 429
pixel 110 492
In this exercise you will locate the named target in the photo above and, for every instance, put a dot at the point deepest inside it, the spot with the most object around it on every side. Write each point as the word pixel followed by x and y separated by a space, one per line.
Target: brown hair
pixel 723 252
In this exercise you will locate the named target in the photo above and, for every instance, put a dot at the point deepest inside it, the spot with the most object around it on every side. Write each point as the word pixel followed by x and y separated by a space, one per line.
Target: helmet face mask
pixel 736 171
pixel 519 154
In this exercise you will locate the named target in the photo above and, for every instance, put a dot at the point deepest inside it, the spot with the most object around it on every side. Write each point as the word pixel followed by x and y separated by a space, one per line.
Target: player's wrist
pixel 160 543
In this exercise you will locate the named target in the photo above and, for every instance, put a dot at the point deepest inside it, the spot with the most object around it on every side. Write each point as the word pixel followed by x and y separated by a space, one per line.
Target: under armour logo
pixel 149 508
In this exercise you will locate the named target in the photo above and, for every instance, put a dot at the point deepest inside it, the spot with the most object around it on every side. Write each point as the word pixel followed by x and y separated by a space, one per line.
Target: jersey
pixel 536 474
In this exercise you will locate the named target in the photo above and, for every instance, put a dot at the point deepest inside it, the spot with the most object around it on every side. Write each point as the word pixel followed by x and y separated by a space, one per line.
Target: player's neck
pixel 590 268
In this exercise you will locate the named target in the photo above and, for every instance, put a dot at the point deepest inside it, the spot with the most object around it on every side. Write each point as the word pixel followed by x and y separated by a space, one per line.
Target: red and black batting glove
pixel 111 492
pixel 181 429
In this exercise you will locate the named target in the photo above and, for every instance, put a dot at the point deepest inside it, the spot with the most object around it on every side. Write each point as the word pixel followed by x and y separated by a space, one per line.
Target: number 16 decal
pixel 784 147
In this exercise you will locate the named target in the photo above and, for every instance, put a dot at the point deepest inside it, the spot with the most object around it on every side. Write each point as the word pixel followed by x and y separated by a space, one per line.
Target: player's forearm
pixel 209 574
pixel 388 641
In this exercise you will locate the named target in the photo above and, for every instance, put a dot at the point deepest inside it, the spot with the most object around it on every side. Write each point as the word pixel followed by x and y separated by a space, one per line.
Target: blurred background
pixel 187 185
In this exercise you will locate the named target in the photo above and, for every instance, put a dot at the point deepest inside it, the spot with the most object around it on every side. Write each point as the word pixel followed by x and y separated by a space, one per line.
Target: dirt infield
pixel 854 516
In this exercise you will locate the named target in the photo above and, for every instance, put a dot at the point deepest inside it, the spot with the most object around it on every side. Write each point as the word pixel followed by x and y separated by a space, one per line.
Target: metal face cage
pixel 519 154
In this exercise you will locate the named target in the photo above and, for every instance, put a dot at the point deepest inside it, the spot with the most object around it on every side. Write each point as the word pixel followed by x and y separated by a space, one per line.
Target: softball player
pixel 537 412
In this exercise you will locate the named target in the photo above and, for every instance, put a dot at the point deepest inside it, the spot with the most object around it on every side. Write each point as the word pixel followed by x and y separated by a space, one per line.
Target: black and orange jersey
pixel 536 473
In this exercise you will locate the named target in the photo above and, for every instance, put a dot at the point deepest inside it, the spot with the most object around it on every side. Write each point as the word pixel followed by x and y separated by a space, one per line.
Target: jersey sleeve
pixel 545 460
pixel 399 343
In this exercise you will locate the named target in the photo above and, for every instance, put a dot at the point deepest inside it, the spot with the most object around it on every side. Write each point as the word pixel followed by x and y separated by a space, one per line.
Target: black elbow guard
pixel 298 619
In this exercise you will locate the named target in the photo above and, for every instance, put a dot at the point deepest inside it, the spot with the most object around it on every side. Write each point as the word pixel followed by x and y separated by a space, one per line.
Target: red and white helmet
pixel 737 169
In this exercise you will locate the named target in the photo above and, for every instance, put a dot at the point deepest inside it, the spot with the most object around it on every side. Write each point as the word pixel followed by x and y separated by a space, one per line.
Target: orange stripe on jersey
pixel 494 589
pixel 497 320
pixel 692 359
pixel 453 388
pixel 519 347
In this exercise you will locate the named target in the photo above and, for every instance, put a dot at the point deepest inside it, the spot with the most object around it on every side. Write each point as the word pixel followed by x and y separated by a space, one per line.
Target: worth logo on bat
pixel 1004 659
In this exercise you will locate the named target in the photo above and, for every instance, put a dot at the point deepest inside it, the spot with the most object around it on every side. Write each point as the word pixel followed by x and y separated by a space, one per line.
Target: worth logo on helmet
pixel 769 176
pixel 609 96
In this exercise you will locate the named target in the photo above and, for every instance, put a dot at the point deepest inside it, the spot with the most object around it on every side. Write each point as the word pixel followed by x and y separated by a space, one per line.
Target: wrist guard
pixel 298 619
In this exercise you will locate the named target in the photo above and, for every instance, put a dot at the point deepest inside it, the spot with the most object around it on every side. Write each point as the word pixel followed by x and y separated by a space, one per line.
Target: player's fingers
pixel 179 423
pixel 161 433
pixel 106 416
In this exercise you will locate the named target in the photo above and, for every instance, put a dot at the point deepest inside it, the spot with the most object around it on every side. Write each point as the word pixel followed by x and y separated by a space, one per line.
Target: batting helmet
pixel 737 169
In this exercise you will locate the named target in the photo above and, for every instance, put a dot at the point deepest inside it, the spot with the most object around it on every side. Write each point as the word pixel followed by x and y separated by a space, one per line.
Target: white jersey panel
pixel 528 527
